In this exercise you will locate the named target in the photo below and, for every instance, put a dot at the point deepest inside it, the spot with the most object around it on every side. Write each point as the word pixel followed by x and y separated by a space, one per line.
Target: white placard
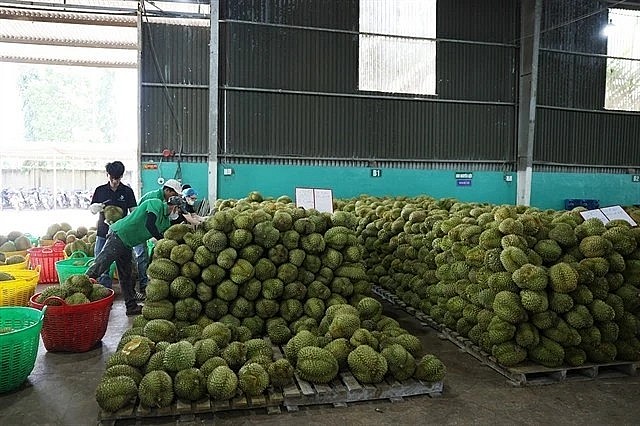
pixel 315 198
pixel 305 198
pixel 589 214
pixel 324 200
pixel 617 213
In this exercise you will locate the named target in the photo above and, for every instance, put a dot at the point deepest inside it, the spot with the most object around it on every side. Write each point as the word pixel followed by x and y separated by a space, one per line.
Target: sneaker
pixel 135 310
pixel 140 296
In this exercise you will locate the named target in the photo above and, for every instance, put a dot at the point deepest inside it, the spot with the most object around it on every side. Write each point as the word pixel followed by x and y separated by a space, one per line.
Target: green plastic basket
pixel 77 263
pixel 19 347
pixel 32 239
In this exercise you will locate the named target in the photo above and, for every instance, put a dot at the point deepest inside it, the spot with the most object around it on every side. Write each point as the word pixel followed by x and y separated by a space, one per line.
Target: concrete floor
pixel 61 388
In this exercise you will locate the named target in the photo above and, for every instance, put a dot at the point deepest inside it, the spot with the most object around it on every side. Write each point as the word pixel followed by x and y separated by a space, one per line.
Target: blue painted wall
pixel 549 190
pixel 195 174
pixel 349 182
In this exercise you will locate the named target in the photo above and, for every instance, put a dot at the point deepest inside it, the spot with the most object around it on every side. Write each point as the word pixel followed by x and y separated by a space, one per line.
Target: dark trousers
pixel 115 251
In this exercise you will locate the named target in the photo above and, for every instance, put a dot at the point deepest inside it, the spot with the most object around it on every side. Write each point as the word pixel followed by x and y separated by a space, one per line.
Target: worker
pixel 187 211
pixel 170 188
pixel 112 193
pixel 148 221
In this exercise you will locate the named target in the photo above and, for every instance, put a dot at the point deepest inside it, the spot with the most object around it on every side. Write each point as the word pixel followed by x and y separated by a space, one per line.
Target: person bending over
pixel 170 188
pixel 187 212
pixel 148 221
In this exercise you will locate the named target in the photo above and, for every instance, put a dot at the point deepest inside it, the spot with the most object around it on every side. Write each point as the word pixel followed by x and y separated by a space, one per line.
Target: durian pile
pixel 76 290
pixel 79 239
pixel 257 269
pixel 12 242
pixel 522 283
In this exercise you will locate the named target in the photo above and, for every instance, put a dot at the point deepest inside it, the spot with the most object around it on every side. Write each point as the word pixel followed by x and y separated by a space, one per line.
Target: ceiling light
pixel 608 29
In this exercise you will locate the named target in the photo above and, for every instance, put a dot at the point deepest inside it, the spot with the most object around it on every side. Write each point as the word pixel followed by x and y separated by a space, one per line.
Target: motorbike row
pixel 43 199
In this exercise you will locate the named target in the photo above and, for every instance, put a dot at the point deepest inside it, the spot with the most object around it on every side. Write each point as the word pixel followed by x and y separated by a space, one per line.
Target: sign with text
pixel 463 182
pixel 464 175
pixel 590 214
pixel 315 198
pixel 617 213
pixel 376 173
pixel 607 214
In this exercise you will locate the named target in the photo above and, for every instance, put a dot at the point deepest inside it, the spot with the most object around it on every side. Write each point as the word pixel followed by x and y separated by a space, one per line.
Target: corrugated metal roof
pixel 166 7
pixel 72 38
pixel 62 16
pixel 55 33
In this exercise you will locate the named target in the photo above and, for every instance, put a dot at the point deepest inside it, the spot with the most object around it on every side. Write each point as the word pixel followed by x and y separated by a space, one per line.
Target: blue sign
pixel 463 182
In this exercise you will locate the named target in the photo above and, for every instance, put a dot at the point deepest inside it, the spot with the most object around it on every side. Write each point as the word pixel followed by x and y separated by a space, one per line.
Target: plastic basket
pixel 16 266
pixel 18 292
pixel 74 328
pixel 47 258
pixel 46 243
pixel 32 239
pixel 77 263
pixel 18 348
pixel 13 253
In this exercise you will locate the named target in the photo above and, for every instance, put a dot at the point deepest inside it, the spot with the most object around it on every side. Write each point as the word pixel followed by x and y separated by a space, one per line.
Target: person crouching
pixel 148 221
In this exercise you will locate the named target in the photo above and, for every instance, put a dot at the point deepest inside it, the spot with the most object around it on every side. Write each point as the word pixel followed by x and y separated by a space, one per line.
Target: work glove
pixel 96 208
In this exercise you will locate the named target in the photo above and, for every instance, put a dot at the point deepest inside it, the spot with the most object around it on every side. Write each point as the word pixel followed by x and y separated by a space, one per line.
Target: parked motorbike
pixel 82 198
pixel 17 200
pixel 5 199
pixel 31 198
pixel 63 201
pixel 46 198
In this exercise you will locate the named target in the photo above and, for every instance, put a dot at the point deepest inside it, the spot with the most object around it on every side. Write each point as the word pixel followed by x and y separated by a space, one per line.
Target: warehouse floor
pixel 60 391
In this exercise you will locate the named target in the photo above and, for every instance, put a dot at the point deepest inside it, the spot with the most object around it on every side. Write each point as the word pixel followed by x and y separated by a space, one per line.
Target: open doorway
pixel 70 102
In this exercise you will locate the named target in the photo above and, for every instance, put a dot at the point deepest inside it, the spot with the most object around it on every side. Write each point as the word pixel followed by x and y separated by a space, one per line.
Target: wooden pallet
pixel 538 375
pixel 524 374
pixel 346 388
pixel 271 401
pixel 392 298
pixel 339 392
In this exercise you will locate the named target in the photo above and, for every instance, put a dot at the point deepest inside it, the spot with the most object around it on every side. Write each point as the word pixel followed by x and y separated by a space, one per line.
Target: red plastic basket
pixel 47 257
pixel 74 328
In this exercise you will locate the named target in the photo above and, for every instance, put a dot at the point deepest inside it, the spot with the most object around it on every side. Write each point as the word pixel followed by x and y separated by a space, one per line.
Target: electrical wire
pixel 162 79
pixel 165 91
pixel 571 21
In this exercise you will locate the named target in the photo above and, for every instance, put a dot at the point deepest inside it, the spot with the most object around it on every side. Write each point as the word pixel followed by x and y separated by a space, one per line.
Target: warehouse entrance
pixel 70 97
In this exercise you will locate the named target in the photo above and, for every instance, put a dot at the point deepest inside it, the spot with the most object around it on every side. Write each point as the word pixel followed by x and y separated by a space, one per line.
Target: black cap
pixel 176 200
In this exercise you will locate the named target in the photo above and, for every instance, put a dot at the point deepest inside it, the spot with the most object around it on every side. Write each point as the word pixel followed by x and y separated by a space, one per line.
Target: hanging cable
pixel 163 82
pixel 165 89
pixel 571 21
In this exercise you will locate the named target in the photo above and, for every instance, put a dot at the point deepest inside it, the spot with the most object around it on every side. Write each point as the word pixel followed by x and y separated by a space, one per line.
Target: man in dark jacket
pixel 113 193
